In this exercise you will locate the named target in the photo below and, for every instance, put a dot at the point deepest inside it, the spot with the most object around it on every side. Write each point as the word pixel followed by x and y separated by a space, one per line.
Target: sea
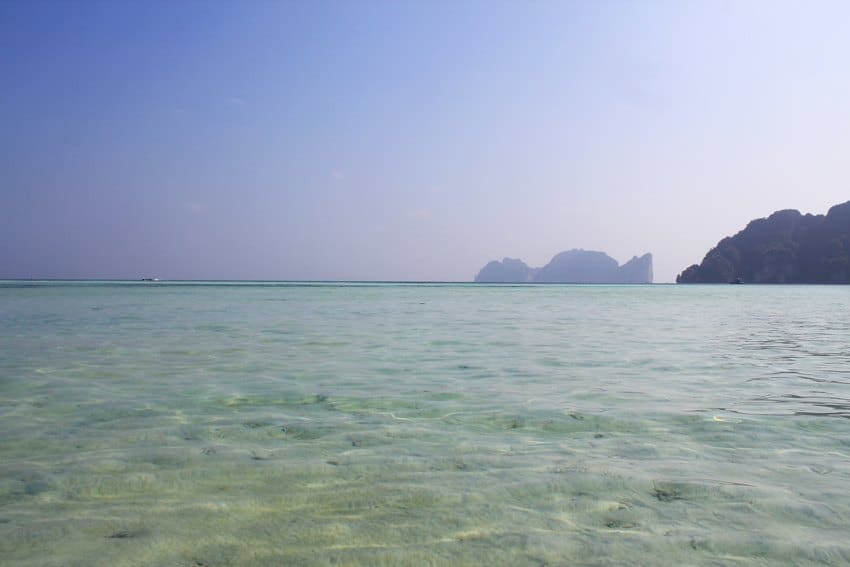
pixel 270 423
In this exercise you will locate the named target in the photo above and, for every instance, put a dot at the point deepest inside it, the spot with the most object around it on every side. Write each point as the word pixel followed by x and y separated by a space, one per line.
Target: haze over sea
pixel 400 424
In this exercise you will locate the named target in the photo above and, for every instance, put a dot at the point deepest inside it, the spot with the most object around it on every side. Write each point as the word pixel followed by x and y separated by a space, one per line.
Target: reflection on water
pixel 405 424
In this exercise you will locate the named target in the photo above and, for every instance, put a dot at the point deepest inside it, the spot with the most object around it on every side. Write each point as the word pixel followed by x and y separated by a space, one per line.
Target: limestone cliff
pixel 786 247
pixel 572 266
pixel 508 270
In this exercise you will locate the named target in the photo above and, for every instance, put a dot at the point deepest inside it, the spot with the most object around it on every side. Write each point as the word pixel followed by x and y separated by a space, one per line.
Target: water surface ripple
pixel 407 424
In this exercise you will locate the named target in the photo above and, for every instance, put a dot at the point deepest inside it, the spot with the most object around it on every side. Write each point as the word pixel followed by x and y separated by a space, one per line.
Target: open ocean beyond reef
pixel 210 423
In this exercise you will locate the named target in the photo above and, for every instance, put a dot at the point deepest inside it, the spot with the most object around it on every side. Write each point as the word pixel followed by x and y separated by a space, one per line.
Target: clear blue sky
pixel 407 140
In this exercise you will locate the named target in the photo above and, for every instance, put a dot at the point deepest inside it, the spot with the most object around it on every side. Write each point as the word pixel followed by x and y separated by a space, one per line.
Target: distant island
pixel 786 247
pixel 572 266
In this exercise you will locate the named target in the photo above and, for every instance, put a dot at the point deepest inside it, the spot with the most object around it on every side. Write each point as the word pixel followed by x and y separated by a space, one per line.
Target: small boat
pixel 150 279
pixel 737 281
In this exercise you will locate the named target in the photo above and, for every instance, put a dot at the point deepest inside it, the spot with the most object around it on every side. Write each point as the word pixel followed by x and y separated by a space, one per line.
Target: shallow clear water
pixel 236 424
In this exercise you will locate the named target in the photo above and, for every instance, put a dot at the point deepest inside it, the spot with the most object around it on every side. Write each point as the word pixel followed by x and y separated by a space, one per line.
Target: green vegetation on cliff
pixel 786 247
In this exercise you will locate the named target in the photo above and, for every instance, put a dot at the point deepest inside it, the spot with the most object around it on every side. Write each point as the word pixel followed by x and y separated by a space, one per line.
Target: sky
pixel 411 140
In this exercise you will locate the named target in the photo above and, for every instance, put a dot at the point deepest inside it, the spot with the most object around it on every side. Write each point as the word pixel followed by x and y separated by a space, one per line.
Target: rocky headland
pixel 572 266
pixel 786 247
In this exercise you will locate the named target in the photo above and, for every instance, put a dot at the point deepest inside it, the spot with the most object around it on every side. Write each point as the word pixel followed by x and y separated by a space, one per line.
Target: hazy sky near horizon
pixel 407 140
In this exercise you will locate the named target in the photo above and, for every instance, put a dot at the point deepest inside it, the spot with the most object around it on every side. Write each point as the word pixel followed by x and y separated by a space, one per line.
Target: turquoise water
pixel 408 424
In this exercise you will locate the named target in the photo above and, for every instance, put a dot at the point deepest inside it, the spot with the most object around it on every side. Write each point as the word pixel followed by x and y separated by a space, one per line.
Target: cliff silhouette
pixel 786 247
pixel 572 266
